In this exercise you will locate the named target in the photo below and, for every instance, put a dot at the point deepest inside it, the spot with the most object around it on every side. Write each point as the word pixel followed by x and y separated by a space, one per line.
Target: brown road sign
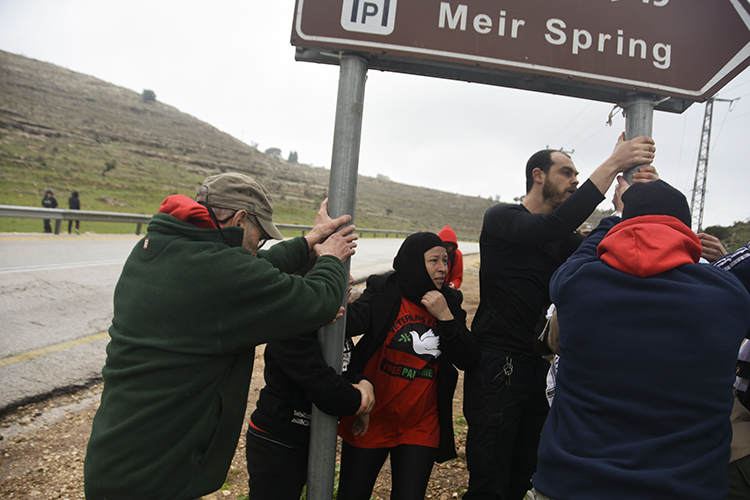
pixel 597 49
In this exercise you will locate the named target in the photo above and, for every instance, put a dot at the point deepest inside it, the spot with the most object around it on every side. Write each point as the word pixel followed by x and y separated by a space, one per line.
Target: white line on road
pixel 69 265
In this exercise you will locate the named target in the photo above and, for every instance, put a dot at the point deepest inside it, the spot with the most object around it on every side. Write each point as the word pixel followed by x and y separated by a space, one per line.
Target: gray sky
pixel 230 63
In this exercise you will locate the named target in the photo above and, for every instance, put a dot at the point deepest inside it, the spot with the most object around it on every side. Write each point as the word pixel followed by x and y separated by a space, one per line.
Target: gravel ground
pixel 43 445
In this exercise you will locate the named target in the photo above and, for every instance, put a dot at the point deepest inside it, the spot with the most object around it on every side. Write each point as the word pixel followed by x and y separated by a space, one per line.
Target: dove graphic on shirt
pixel 427 343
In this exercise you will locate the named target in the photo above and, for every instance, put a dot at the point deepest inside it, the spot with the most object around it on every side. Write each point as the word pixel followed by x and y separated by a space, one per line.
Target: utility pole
pixel 698 200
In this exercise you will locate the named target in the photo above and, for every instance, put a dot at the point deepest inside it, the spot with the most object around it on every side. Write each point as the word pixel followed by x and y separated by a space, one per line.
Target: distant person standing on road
pixel 194 298
pixel 455 258
pixel 74 203
pixel 48 201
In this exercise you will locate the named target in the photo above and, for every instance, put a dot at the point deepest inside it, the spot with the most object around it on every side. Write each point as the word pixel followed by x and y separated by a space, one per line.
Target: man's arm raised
pixel 627 154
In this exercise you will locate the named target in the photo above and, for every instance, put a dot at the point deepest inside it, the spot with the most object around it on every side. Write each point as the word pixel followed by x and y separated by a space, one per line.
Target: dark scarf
pixel 411 273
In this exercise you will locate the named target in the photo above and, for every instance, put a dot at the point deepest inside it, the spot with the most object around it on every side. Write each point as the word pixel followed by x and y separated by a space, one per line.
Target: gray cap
pixel 242 192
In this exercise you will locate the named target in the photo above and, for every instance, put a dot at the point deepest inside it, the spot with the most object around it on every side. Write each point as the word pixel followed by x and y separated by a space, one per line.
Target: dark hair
pixel 541 160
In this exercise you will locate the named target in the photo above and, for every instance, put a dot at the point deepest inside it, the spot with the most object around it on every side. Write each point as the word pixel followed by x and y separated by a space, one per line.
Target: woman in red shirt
pixel 414 332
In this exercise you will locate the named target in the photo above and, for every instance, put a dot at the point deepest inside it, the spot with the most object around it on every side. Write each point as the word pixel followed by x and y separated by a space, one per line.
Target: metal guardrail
pixel 387 232
pixel 59 215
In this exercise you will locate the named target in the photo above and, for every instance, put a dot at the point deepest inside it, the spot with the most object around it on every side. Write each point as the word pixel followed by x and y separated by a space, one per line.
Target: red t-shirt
pixel 404 373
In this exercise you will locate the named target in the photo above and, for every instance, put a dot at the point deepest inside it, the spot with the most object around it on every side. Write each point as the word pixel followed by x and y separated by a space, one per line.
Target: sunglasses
pixel 263 235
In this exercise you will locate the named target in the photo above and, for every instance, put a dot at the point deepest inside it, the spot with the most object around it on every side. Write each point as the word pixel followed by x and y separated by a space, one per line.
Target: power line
pixel 738 117
pixel 682 145
pixel 736 86
pixel 721 127
pixel 570 123
pixel 598 120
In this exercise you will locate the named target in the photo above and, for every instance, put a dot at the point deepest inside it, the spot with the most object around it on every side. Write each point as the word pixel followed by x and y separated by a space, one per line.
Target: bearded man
pixel 521 247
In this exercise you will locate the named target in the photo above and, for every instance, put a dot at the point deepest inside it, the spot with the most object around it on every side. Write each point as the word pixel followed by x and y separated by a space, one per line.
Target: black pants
pixel 739 479
pixel 47 226
pixel 411 466
pixel 275 471
pixel 505 423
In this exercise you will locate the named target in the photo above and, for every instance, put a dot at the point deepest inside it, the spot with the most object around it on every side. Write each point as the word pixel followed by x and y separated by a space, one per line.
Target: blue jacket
pixel 649 342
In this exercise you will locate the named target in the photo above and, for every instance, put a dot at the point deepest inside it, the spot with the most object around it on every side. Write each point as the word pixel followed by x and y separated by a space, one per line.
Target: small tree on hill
pixel 109 165
pixel 148 96
pixel 292 157
pixel 275 152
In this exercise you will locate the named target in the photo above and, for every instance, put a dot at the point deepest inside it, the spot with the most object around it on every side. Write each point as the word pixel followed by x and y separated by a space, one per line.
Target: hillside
pixel 63 130
pixel 732 237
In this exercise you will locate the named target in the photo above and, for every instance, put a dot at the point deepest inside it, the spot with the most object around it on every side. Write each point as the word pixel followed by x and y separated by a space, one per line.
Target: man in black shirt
pixel 521 247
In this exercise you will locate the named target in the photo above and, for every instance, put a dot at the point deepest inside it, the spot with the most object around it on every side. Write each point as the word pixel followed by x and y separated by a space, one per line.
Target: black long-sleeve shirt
pixel 519 252
pixel 296 376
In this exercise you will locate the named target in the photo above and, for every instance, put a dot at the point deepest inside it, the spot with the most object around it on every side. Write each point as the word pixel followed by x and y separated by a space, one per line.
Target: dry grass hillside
pixel 63 130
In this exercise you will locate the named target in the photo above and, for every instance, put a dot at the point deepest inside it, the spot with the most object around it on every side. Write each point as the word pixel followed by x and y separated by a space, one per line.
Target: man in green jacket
pixel 194 298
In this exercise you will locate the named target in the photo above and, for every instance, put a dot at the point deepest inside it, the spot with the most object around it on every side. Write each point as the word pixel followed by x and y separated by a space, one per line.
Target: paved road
pixel 56 305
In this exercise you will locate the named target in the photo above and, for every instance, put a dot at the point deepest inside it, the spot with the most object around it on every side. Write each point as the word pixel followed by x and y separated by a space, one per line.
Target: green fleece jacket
pixel 188 313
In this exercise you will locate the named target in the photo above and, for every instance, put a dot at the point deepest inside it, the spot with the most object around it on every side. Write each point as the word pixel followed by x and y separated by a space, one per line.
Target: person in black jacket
pixel 48 201
pixel 278 434
pixel 521 246
pixel 414 332
pixel 74 203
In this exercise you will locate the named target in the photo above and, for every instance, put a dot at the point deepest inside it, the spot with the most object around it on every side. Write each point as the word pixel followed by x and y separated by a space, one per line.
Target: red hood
pixel 448 235
pixel 648 245
pixel 185 209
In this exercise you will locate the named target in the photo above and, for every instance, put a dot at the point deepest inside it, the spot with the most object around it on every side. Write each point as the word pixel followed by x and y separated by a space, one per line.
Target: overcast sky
pixel 230 63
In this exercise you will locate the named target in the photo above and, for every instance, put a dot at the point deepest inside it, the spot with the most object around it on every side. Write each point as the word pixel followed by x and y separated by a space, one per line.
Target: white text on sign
pixel 558 33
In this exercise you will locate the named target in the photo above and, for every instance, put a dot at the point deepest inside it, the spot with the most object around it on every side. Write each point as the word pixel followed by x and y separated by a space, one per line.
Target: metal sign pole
pixel 342 192
pixel 639 120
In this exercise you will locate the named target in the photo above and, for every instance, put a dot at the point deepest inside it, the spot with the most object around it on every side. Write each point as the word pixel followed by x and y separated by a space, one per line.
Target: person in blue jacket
pixel 649 340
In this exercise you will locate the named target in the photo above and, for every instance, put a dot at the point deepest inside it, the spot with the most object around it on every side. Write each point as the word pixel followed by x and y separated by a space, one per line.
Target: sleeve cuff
pixel 447 329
